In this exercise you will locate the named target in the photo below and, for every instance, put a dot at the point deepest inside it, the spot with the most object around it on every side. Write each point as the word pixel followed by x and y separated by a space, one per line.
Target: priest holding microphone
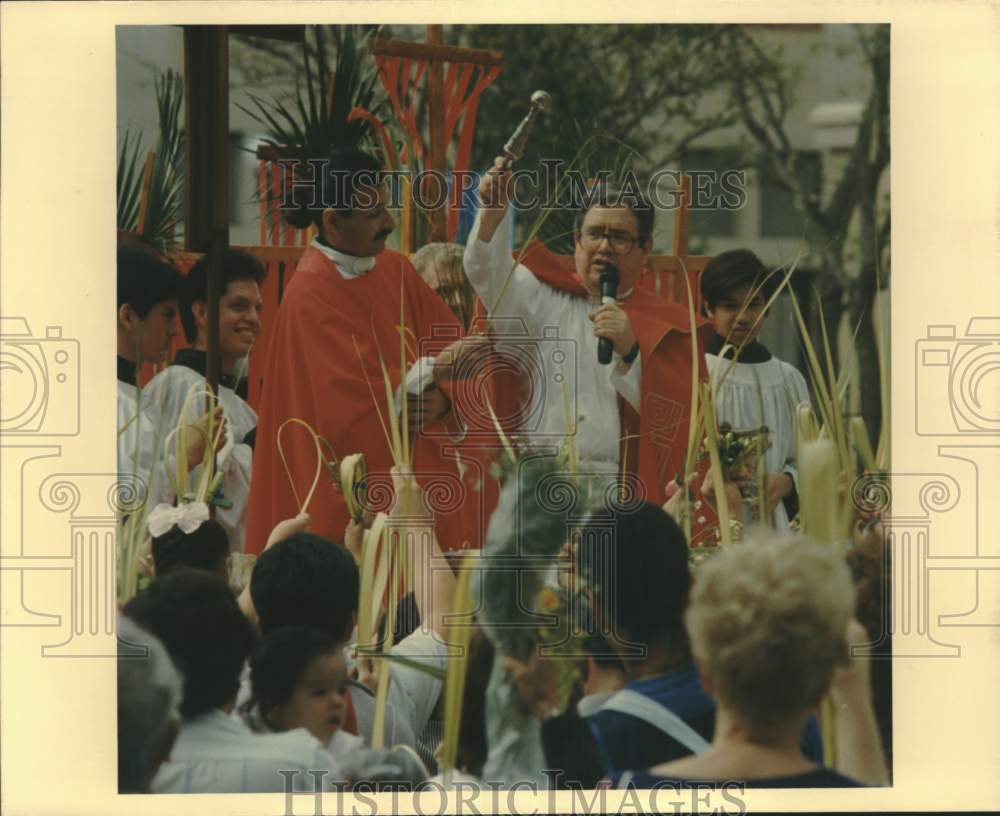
pixel 625 394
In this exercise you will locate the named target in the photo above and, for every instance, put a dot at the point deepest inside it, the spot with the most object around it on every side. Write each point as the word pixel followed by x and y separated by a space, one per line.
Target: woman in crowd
pixel 771 630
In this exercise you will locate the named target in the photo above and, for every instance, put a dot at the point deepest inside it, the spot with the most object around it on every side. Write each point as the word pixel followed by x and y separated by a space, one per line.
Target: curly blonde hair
pixel 767 621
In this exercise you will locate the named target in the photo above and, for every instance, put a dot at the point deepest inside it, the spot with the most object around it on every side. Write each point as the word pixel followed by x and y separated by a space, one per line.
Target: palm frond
pixel 129 180
pixel 597 156
pixel 316 120
pixel 165 193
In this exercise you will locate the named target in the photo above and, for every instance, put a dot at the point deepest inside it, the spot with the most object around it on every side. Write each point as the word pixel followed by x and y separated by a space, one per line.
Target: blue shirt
pixel 627 743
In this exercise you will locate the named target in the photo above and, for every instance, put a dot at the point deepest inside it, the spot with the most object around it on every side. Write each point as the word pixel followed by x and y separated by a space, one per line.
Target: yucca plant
pixel 129 180
pixel 320 117
pixel 164 191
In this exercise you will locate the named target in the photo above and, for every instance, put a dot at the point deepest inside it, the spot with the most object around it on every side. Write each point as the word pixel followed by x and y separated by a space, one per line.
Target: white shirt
pixel 395 732
pixel 217 753
pixel 558 346
pixel 140 443
pixel 414 693
pixel 167 391
pixel 775 386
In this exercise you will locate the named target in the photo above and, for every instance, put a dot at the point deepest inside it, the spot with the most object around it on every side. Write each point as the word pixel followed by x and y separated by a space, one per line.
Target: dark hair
pixel 206 548
pixel 236 266
pixel 733 270
pixel 604 194
pixel 334 184
pixel 639 575
pixel 281 658
pixel 145 279
pixel 306 580
pixel 208 637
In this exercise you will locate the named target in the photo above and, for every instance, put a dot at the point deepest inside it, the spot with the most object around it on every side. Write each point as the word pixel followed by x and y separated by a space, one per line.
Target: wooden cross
pixel 436 53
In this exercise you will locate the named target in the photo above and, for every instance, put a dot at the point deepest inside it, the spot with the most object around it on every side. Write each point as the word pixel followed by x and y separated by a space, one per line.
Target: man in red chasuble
pixel 342 316
pixel 629 418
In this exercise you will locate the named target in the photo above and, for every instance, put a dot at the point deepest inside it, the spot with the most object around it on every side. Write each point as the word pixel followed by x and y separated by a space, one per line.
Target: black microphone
pixel 609 292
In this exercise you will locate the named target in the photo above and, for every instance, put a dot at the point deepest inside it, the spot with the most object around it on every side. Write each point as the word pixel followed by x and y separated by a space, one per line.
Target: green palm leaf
pixel 128 181
pixel 595 156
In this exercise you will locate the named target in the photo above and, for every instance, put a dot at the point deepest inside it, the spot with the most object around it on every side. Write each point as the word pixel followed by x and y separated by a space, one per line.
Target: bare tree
pixel 761 88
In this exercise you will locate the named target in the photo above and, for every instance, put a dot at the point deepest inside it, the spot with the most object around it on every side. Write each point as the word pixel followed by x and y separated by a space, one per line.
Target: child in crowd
pixel 185 536
pixel 752 387
pixel 298 676
pixel 306 580
pixel 208 638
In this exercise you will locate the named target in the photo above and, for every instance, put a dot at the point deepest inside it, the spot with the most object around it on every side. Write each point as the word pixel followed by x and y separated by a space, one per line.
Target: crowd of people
pixel 230 683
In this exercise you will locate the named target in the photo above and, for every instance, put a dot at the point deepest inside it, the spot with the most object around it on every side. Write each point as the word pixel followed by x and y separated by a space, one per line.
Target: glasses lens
pixel 622 244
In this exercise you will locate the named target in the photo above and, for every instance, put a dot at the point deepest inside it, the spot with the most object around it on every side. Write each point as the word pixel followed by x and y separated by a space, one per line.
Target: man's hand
pixel 409 495
pixel 777 486
pixel 674 505
pixel 494 193
pixel 354 536
pixel 733 496
pixel 611 322
pixel 429 406
pixel 197 433
pixel 463 359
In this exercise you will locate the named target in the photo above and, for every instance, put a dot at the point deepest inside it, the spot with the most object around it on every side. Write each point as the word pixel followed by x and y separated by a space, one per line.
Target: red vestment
pixel 657 437
pixel 314 373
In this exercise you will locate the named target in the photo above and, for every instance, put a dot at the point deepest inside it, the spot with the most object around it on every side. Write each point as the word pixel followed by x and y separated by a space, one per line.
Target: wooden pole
pixel 435 113
pixel 206 90
pixel 682 220
pixel 434 50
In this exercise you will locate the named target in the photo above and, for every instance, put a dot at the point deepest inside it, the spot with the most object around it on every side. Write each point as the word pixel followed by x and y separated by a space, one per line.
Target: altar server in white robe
pixel 148 292
pixel 752 387
pixel 240 306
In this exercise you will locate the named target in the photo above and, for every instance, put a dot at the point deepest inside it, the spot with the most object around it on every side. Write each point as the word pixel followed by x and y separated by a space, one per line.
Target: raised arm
pixel 488 259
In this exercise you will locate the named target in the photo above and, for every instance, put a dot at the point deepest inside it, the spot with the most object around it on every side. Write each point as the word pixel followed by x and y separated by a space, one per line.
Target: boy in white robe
pixel 148 292
pixel 240 306
pixel 752 387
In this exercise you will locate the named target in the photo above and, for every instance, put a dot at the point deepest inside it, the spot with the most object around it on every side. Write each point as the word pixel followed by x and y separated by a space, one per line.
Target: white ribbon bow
pixel 188 516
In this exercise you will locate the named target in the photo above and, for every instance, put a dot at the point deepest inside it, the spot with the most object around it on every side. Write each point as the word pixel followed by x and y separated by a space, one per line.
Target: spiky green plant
pixel 129 180
pixel 318 118
pixel 165 194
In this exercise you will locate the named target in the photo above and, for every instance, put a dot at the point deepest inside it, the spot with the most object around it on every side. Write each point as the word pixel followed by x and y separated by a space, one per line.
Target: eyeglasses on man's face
pixel 621 242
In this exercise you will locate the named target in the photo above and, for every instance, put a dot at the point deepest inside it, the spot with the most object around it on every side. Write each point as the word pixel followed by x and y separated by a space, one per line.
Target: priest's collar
pixel 350 266
pixel 751 353
pixel 126 371
pixel 198 361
